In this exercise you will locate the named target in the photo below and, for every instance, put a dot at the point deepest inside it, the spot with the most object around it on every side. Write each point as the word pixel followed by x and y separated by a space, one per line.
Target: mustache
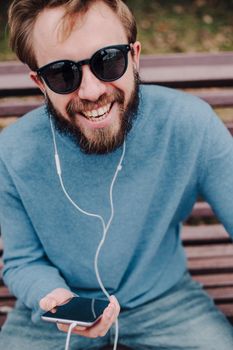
pixel 79 106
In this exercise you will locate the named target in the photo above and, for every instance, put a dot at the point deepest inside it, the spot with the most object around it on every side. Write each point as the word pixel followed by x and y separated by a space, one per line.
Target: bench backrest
pixel 210 76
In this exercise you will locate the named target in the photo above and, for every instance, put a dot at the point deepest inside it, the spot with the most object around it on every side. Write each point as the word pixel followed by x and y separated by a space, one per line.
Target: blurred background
pixel 167 26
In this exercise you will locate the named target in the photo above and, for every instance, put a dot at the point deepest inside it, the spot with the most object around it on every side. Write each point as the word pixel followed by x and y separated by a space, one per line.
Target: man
pixel 129 163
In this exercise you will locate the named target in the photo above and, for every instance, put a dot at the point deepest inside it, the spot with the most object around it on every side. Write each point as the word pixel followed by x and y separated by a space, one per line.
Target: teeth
pixel 96 113
pixel 97 119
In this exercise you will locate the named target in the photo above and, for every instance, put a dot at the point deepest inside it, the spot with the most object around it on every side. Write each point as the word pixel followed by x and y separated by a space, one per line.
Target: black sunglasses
pixel 65 76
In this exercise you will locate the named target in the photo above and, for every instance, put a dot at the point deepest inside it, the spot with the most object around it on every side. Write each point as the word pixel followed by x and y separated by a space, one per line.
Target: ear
pixel 137 52
pixel 38 81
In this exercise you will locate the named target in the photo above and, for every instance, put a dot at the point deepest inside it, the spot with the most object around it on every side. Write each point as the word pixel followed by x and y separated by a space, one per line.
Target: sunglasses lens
pixel 109 64
pixel 62 77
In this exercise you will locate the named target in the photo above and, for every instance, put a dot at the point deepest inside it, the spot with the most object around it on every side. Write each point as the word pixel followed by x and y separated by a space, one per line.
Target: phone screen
pixel 78 309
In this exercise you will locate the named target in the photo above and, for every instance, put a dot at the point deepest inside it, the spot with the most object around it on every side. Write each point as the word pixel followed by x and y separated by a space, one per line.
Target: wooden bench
pixel 210 76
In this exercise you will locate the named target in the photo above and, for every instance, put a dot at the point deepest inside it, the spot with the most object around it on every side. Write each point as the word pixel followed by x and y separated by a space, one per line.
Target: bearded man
pixel 96 183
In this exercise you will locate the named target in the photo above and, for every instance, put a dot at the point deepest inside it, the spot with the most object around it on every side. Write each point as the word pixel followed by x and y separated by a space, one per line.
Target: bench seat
pixel 208 247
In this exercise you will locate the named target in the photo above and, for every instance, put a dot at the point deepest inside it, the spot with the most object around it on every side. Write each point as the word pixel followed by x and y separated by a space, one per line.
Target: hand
pixel 102 326
pixel 57 297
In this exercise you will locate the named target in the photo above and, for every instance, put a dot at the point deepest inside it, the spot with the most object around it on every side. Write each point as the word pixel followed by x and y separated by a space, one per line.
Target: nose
pixel 91 88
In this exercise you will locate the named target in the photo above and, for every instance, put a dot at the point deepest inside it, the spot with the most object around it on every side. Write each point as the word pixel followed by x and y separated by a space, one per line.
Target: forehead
pixel 99 27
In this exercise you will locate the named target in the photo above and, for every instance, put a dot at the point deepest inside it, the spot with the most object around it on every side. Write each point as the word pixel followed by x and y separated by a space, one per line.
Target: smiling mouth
pixel 98 114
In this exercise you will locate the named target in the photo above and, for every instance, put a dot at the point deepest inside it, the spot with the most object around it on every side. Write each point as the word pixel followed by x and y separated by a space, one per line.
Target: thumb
pixel 56 297
pixel 48 303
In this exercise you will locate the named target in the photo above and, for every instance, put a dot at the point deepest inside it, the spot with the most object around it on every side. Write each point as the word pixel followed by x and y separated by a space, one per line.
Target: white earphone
pixel 99 217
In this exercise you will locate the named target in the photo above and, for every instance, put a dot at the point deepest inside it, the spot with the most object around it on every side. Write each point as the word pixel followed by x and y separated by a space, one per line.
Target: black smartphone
pixel 84 311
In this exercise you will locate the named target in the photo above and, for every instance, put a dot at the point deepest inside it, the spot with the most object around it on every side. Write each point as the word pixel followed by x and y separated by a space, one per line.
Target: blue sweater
pixel 176 150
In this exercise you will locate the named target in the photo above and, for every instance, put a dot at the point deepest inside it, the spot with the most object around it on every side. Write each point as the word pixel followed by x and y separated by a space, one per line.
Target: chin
pixel 102 140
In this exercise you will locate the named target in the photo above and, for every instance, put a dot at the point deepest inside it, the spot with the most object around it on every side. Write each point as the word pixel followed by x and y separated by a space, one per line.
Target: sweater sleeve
pixel 216 182
pixel 27 271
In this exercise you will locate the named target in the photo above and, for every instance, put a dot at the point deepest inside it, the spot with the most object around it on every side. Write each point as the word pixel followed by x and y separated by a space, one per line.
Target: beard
pixel 102 140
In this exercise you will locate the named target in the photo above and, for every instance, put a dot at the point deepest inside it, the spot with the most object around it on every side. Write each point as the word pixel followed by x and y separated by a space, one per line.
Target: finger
pixel 97 330
pixel 54 310
pixel 109 316
pixel 101 328
pixel 61 295
pixel 64 328
pixel 48 303
pixel 114 300
pixel 55 298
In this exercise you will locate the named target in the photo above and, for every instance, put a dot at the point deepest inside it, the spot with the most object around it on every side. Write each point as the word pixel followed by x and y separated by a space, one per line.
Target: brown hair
pixel 23 15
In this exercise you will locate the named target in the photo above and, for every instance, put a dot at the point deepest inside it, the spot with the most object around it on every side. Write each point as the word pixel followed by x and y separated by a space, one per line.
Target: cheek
pixel 126 84
pixel 59 102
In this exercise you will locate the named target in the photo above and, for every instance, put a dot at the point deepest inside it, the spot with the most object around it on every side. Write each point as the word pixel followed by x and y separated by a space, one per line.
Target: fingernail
pixel 53 304
pixel 110 312
pixel 59 327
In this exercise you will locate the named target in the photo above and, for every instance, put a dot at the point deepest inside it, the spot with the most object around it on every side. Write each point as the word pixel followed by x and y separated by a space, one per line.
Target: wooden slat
pixel 215 280
pixel 4 293
pixel 14 83
pixel 17 110
pixel 209 251
pixel 211 265
pixel 20 85
pixel 184 70
pixel 204 233
pixel 221 294
pixel 13 67
pixel 227 309
pixel 187 59
pixel 201 209
pixel 179 70
pixel 217 98
pixel 186 80
pixel 6 305
pixel 158 60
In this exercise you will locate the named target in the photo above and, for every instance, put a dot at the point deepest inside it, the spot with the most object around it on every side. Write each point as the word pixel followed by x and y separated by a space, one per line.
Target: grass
pixel 184 26
pixel 169 26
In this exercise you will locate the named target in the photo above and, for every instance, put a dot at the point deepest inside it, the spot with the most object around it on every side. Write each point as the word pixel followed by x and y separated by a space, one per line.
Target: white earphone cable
pixel 71 327
pixel 105 226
